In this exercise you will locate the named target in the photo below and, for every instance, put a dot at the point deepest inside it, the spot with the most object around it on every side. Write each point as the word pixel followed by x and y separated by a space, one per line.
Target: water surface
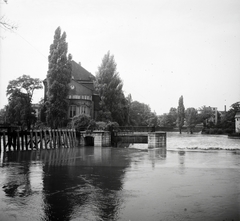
pixel 196 178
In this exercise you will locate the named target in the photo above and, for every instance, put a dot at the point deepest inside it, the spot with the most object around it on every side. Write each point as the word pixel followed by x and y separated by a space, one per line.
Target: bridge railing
pixel 134 129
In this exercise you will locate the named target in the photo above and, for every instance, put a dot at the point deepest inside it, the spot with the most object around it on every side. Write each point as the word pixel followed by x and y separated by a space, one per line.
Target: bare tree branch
pixel 5 24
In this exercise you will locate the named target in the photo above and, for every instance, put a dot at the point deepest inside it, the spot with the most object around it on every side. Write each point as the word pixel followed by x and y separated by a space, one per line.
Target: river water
pixel 196 178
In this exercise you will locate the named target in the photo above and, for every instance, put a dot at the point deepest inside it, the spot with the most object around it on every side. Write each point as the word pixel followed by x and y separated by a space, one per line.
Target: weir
pixel 107 139
pixel 65 138
pixel 99 138
pixel 37 139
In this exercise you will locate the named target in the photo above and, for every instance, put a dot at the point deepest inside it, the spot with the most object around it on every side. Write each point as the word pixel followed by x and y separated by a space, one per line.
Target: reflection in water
pixel 156 154
pixel 181 158
pixel 18 184
pixel 78 183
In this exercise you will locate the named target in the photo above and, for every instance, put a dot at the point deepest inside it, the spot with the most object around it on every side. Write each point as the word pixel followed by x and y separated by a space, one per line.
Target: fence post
pixel 63 138
pixel 45 139
pixel 41 139
pixel 31 139
pixel 50 138
pixel 26 139
pixel 22 139
pixel 14 133
pixel 4 142
pixel 54 138
pixel 60 139
pixel 18 141
pixel 66 137
pixel 36 140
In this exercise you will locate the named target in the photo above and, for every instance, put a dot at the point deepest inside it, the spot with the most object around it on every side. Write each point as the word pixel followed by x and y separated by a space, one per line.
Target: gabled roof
pixel 237 114
pixel 81 74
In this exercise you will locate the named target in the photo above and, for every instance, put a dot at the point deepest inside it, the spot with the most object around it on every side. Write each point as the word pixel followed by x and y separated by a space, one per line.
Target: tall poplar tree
pixel 191 118
pixel 109 85
pixel 180 114
pixel 58 78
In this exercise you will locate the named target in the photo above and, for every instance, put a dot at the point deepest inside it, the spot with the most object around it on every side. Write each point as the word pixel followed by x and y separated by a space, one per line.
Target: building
pixel 83 98
pixel 214 118
pixel 36 108
pixel 237 122
pixel 216 115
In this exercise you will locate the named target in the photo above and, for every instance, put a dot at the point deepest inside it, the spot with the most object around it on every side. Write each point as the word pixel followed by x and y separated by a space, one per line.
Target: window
pixel 86 97
pixel 76 96
pixel 72 111
pixel 83 109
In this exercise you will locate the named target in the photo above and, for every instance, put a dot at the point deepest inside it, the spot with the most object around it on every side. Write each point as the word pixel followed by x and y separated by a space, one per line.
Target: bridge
pixel 101 138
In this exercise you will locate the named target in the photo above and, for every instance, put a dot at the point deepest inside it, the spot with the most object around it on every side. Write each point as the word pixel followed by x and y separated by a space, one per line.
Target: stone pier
pixel 99 138
pixel 157 139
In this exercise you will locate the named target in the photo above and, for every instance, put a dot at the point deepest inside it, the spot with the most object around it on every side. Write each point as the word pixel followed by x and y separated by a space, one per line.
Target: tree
pixel 169 120
pixel 140 114
pixel 3 115
pixel 6 24
pixel 204 113
pixel 172 115
pixel 228 121
pixel 180 116
pixel 58 78
pixel 191 118
pixel 128 102
pixel 20 93
pixel 109 86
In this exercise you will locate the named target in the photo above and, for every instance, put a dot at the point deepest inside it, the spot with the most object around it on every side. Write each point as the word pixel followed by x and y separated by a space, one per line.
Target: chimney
pixel 225 109
pixel 79 63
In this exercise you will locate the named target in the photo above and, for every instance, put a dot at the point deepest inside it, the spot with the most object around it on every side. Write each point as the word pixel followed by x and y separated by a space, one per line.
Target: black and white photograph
pixel 120 110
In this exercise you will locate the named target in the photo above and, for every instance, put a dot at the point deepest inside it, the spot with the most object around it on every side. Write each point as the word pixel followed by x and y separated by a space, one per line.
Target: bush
pixel 100 125
pixel 229 131
pixel 112 126
pixel 83 122
pixel 211 131
pixel 220 131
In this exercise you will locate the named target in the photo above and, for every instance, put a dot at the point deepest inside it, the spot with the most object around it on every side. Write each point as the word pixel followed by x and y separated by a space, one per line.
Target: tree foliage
pixel 170 119
pixel 204 113
pixel 181 114
pixel 83 122
pixel 141 115
pixel 191 117
pixel 3 115
pixel 109 85
pixel 58 78
pixel 20 92
pixel 228 120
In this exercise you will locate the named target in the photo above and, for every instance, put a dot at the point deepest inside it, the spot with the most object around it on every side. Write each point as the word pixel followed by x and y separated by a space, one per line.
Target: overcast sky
pixel 163 48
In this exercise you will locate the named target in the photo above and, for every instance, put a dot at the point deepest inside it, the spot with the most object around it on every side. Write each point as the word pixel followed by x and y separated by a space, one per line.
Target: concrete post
pixel 157 139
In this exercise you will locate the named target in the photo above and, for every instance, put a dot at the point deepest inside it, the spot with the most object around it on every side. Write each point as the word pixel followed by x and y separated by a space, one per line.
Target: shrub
pixel 101 125
pixel 83 122
pixel 229 130
pixel 212 131
pixel 112 125
pixel 220 131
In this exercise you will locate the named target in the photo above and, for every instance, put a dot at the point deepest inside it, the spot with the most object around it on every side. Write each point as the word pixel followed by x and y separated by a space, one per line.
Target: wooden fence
pixel 37 139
